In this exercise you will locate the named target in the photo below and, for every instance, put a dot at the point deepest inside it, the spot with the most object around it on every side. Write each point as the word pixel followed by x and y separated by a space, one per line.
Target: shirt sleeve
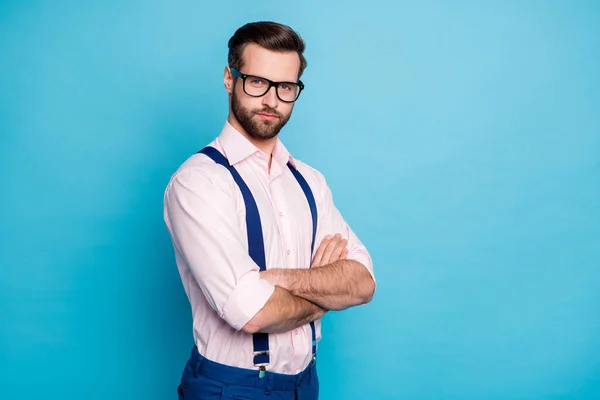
pixel 202 217
pixel 330 222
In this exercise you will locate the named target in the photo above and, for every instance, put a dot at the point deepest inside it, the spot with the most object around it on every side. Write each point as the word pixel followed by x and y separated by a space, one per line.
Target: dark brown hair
pixel 269 35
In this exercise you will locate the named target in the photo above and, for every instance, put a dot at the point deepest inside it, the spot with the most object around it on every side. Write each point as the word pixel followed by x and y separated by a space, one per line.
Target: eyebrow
pixel 274 80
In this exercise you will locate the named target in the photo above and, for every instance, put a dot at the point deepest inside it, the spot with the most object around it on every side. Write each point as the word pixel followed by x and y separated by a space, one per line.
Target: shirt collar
pixel 237 148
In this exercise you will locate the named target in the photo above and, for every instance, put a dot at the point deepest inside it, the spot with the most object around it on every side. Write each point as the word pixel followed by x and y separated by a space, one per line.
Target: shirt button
pixel 280 214
pixel 288 252
pixel 296 332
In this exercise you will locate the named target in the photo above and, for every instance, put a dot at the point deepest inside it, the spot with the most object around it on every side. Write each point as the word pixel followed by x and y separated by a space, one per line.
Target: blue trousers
pixel 204 379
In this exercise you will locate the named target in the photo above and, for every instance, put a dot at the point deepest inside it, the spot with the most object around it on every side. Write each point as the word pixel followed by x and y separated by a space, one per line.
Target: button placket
pixel 281 220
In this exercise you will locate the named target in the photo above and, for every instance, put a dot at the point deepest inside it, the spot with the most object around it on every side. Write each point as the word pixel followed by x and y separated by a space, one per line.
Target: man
pixel 262 251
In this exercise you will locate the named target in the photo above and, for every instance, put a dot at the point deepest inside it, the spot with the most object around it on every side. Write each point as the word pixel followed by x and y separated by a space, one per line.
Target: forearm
pixel 283 312
pixel 336 286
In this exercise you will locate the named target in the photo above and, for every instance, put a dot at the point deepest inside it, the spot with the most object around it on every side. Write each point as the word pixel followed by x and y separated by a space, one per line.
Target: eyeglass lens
pixel 256 86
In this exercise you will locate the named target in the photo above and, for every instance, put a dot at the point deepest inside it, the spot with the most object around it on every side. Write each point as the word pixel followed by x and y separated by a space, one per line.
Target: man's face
pixel 263 117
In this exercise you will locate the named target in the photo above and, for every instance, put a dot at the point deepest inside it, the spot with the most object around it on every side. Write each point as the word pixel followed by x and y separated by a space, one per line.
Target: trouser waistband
pixel 249 377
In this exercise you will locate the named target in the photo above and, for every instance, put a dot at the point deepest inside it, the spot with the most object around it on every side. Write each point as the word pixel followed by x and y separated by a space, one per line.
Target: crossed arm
pixel 283 312
pixel 304 295
pixel 334 285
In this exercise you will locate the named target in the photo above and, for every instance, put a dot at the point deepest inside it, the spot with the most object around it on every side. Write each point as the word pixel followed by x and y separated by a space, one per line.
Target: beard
pixel 258 129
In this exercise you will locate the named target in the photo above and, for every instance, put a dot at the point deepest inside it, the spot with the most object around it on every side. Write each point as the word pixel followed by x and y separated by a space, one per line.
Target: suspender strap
pixel 256 245
pixel 313 211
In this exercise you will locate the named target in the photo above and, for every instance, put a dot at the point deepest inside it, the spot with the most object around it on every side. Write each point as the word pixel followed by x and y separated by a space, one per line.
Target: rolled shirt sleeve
pixel 202 215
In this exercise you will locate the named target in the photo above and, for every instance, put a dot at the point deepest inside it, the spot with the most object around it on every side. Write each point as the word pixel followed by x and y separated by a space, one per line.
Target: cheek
pixel 248 104
pixel 286 109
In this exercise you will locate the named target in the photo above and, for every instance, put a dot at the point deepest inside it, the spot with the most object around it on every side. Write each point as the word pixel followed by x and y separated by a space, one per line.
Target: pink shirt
pixel 205 215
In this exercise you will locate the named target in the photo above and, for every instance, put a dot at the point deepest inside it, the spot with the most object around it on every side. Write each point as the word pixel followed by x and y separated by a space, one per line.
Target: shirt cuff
pixel 249 296
pixel 363 257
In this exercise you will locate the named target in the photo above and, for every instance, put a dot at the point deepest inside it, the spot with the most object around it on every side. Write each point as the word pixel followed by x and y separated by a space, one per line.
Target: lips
pixel 267 115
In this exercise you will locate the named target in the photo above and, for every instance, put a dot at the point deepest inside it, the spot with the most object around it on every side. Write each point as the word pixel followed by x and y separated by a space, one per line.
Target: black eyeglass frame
pixel 300 85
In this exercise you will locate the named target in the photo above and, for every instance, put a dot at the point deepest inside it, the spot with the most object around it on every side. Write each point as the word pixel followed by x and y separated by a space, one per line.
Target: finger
pixel 335 255
pixel 330 249
pixel 344 254
pixel 319 253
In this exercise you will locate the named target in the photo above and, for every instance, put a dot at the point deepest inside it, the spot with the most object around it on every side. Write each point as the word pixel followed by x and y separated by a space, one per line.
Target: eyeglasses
pixel 257 86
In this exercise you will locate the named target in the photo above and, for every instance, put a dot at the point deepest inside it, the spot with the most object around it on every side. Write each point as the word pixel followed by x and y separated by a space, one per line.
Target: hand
pixel 330 250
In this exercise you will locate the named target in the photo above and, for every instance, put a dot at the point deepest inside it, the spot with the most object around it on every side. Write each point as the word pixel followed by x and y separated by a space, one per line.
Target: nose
pixel 270 98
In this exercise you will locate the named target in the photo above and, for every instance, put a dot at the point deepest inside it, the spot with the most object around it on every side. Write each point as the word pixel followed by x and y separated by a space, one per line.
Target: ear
pixel 228 80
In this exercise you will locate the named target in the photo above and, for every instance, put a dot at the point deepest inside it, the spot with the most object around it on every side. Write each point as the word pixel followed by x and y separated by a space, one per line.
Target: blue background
pixel 461 141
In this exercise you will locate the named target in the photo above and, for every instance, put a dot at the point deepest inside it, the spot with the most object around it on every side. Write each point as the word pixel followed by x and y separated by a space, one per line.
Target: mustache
pixel 268 110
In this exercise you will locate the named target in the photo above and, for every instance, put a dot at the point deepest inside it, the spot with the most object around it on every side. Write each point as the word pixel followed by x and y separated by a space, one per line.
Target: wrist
pixel 270 276
pixel 278 277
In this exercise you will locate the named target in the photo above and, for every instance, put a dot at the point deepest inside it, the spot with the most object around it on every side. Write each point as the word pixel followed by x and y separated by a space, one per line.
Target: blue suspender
pixel 313 211
pixel 256 245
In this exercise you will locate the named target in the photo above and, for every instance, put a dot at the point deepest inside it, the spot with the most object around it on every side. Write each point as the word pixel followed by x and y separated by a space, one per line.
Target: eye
pixel 286 87
pixel 257 82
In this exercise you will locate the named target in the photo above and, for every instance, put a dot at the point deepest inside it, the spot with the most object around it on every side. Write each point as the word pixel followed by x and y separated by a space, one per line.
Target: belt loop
pixel 197 366
pixel 269 385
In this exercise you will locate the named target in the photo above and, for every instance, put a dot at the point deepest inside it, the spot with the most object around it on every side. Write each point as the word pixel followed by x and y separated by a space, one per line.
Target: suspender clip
pixel 262 367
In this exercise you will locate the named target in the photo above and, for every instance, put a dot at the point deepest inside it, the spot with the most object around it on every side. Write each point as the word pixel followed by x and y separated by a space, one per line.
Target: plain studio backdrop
pixel 461 140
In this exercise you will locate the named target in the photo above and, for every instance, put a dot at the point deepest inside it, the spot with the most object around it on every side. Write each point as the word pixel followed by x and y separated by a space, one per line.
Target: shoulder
pixel 315 178
pixel 199 172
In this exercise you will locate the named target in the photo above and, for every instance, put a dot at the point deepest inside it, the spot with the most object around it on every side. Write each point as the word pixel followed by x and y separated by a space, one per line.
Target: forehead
pixel 270 64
